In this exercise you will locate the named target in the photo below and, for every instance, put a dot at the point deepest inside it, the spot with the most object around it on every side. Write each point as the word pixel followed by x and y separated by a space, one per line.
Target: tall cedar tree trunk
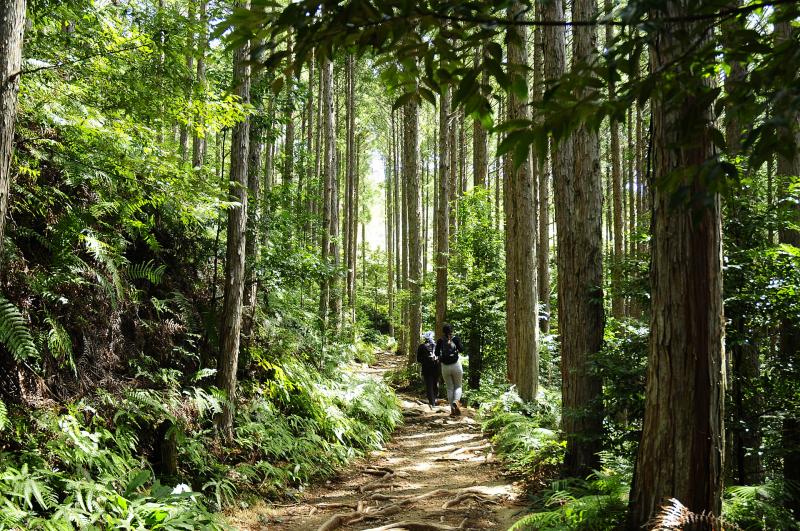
pixel 288 148
pixel 743 460
pixel 184 128
pixel 411 177
pixel 390 178
pixel 617 300
pixel 543 242
pixel 350 163
pixel 480 180
pixel 236 241
pixel 335 209
pixel 578 201
pixel 521 291
pixel 790 329
pixel 12 26
pixel 198 140
pixel 681 452
pixel 253 228
pixel 443 212
pixel 425 216
pixel 328 177
pixel 354 232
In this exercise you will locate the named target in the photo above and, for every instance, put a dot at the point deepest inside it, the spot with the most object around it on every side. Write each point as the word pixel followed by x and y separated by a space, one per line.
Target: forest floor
pixel 436 473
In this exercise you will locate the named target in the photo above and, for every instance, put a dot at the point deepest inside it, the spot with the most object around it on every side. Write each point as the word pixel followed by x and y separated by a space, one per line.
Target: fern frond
pixel 14 333
pixel 148 271
pixel 3 416
pixel 60 343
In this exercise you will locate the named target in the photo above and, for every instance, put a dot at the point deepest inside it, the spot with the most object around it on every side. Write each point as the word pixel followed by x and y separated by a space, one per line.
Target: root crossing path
pixel 437 473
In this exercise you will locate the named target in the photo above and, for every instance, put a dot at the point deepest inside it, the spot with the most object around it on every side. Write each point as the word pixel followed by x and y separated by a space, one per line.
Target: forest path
pixel 436 473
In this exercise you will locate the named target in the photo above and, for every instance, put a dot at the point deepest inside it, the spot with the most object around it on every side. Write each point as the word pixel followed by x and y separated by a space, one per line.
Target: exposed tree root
pixel 418 526
pixel 469 496
pixel 338 520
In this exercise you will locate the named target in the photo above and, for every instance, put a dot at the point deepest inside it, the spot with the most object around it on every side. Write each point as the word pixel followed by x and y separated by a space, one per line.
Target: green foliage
pixel 476 297
pixel 622 365
pixel 14 332
pixel 759 507
pixel 525 435
pixel 598 503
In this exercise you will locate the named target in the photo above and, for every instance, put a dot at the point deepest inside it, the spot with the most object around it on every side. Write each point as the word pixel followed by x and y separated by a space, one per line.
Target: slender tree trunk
pixel 543 242
pixel 411 176
pixel 236 242
pixel 390 178
pixel 681 452
pixel 251 253
pixel 288 147
pixel 521 291
pixel 329 177
pixel 199 140
pixel 12 27
pixel 443 212
pixel 617 300
pixel 350 178
pixel 480 163
pixel 184 128
pixel 354 231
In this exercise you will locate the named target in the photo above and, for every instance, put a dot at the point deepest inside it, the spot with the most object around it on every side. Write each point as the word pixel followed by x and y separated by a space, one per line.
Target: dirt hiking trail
pixel 436 473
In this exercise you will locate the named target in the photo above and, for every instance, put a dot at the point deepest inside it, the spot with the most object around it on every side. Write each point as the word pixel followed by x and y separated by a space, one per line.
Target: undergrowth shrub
pixel 525 435
pixel 597 503
pixel 90 465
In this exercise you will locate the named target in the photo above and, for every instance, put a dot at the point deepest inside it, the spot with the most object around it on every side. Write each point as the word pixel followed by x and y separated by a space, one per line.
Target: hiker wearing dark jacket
pixel 447 351
pixel 426 357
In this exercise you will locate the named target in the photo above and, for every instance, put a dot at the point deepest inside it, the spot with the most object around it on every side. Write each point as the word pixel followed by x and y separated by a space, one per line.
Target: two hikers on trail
pixel 442 357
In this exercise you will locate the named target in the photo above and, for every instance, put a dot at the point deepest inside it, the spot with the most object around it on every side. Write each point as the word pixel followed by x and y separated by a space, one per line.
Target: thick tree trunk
pixel 12 26
pixel 411 177
pixel 578 200
pixel 443 212
pixel 681 452
pixel 521 293
pixel 789 344
pixel 236 242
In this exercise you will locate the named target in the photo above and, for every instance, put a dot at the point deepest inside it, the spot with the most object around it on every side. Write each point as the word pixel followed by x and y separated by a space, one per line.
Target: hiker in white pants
pixel 447 350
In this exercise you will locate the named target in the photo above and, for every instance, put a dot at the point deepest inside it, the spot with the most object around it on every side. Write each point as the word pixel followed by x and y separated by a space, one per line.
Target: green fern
pixel 14 333
pixel 147 271
pixel 4 422
pixel 60 344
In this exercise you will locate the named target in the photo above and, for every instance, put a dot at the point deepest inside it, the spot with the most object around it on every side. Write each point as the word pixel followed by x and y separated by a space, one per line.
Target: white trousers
pixel 453 374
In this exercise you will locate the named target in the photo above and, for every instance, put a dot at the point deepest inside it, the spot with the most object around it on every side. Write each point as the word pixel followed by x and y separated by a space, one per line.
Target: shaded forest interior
pixel 214 215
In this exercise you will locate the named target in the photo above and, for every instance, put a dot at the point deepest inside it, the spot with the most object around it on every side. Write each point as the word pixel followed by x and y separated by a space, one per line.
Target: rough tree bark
pixel 411 176
pixel 443 212
pixel 328 176
pixel 236 241
pixel 577 190
pixel 543 242
pixel 681 452
pixel 789 344
pixel 521 293
pixel 12 27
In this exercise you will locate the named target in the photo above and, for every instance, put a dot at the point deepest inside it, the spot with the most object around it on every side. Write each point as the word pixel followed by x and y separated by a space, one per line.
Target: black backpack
pixel 449 352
